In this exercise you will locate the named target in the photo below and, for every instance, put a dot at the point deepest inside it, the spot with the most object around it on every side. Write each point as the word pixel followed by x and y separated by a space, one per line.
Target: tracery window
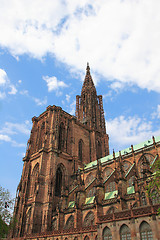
pixel 145 231
pixel 131 181
pixel 61 139
pixel 58 185
pixel 125 233
pixel 111 210
pixel 89 179
pixel 28 216
pixel 54 224
pixel 107 234
pixel 107 172
pixel 143 199
pixel 144 163
pixel 126 166
pixel 34 179
pixel 41 135
pixel 89 219
pixel 91 192
pixel 70 222
pixel 111 187
pixel 80 150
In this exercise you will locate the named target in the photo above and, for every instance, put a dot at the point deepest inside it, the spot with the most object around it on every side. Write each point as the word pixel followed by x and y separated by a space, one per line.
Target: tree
pixel 154 183
pixel 6 210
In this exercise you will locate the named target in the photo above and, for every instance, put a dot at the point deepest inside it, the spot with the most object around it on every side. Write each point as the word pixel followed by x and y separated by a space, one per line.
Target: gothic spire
pixel 88 83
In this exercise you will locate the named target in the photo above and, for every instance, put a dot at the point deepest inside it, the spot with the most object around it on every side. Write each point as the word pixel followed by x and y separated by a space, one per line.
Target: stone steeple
pixel 89 106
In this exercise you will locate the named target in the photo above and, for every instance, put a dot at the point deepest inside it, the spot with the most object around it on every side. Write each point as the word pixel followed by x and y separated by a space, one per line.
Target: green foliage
pixel 153 188
pixel 6 205
pixel 3 228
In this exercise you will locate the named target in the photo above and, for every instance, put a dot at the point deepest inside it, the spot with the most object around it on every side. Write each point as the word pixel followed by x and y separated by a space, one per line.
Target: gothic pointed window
pixel 80 150
pixel 111 187
pixel 107 234
pixel 58 185
pixel 70 222
pixel 61 139
pixel 34 180
pixel 125 233
pixel 99 150
pixel 86 238
pixel 145 231
pixel 143 199
pixel 89 219
pixel 41 135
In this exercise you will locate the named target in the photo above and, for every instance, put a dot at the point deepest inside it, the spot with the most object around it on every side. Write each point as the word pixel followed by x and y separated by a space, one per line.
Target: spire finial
pixel 88 68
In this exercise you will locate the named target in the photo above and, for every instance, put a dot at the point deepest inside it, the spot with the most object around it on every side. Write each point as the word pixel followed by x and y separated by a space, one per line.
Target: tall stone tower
pixel 59 144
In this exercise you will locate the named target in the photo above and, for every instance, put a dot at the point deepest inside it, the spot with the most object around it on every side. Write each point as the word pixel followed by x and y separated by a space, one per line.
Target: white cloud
pixel 72 108
pixel 126 131
pixel 156 114
pixel 4 137
pixel 40 102
pixel 16 128
pixel 53 83
pixel 13 90
pixel 68 97
pixel 3 77
pixel 10 129
pixel 6 84
pixel 24 92
pixel 120 39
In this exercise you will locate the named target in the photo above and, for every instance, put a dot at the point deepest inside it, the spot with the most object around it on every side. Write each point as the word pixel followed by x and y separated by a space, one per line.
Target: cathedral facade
pixel 72 187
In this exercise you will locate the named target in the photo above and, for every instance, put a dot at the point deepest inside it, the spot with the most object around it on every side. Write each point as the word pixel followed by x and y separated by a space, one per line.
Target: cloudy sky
pixel 44 50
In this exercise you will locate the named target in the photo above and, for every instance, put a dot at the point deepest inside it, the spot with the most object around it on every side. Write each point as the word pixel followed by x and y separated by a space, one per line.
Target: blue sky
pixel 44 50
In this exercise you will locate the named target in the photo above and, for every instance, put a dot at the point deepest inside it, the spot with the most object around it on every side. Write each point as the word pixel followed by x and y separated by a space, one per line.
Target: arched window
pixel 107 234
pixel 145 231
pixel 111 210
pixel 106 172
pixel 125 233
pixel 28 216
pixel 126 166
pixel 99 150
pixel 58 185
pixel 54 224
pixel 89 179
pixel 111 187
pixel 143 199
pixel 61 137
pixel 131 181
pixel 89 219
pixel 70 223
pixel 34 179
pixel 91 192
pixel 41 135
pixel 86 238
pixel 80 150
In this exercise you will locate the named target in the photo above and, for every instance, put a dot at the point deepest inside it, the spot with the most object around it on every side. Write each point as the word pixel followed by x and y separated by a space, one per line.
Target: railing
pixel 131 213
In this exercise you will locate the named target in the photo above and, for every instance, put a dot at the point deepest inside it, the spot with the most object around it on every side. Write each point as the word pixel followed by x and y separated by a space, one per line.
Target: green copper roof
pixel 71 204
pixel 130 190
pixel 90 200
pixel 123 152
pixel 110 195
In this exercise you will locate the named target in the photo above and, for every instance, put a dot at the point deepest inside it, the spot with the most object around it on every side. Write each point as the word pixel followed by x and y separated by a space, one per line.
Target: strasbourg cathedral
pixel 72 187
